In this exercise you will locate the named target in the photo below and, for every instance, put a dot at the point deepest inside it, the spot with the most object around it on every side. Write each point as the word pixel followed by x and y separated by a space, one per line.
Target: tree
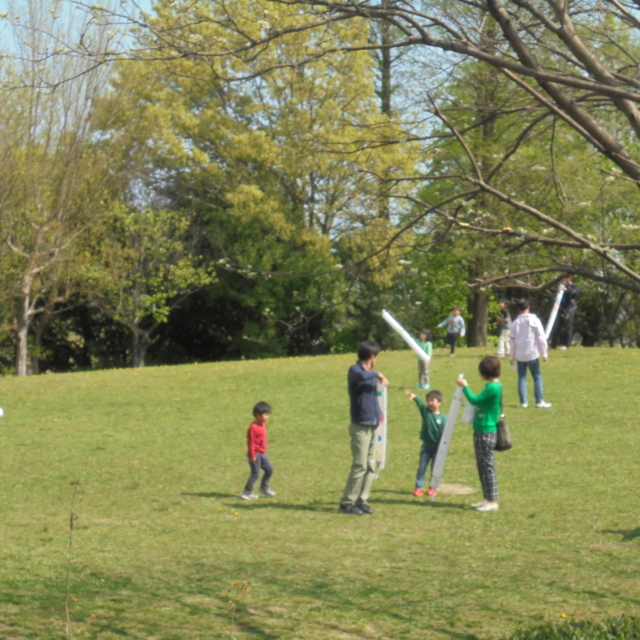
pixel 576 58
pixel 144 270
pixel 277 172
pixel 53 180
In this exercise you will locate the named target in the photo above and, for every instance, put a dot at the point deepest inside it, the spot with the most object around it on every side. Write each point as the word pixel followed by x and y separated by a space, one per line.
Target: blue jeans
pixel 534 367
pixel 427 453
pixel 262 462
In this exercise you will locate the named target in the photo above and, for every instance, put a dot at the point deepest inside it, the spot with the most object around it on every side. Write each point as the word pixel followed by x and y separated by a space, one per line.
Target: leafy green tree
pixel 575 61
pixel 53 178
pixel 145 268
pixel 277 172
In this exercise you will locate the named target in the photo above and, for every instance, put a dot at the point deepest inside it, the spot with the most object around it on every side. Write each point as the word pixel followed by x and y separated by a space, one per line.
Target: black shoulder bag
pixel 503 442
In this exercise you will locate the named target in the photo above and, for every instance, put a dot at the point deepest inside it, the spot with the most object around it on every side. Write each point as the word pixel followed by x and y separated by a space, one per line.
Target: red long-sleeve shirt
pixel 256 439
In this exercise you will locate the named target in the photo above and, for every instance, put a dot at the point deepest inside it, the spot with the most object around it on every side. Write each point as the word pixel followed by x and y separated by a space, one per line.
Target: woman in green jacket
pixel 485 429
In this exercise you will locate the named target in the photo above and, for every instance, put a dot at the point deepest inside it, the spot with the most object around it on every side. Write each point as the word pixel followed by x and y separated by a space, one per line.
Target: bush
pixel 623 628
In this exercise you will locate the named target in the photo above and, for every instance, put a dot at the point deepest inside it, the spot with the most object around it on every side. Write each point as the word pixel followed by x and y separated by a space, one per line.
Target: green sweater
pixel 432 424
pixel 427 347
pixel 488 401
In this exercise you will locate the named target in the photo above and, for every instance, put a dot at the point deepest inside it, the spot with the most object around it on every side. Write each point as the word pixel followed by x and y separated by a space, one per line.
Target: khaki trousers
pixel 363 469
pixel 423 372
pixel 504 343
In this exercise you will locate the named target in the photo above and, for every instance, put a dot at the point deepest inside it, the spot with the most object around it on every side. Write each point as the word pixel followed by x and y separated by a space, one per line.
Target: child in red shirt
pixel 257 452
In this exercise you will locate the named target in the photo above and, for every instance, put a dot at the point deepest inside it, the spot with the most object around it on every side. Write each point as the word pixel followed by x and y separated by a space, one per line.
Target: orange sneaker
pixel 418 492
pixel 432 492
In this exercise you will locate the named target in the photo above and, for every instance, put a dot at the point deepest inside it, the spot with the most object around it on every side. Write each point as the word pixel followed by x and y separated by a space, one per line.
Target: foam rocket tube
pixel 404 334
pixel 554 313
pixel 445 439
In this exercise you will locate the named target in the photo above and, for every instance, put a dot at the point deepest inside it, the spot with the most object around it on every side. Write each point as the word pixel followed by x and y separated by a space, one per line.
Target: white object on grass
pixel 1 412
pixel 405 335
pixel 554 313
pixel 445 439
pixel 381 437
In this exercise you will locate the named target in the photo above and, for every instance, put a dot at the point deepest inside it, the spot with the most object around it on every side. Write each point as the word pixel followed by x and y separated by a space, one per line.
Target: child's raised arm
pixel 411 395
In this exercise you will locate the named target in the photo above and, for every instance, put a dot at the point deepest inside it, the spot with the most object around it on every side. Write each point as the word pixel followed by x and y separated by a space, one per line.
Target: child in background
pixel 433 423
pixel 257 452
pixel 424 342
pixel 455 329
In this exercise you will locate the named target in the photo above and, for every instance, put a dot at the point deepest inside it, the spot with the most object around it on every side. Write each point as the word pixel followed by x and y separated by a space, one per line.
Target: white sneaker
pixel 267 492
pixel 452 355
pixel 524 405
pixel 475 505
pixel 488 506
pixel 249 496
pixel 543 405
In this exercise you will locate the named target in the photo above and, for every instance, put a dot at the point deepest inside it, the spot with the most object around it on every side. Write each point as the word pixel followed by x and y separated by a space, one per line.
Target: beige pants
pixel 363 469
pixel 423 372
pixel 504 343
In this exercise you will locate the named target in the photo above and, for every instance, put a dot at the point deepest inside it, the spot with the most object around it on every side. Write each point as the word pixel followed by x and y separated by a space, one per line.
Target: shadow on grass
pixel 210 494
pixel 98 631
pixel 427 504
pixel 457 635
pixel 267 504
pixel 601 595
pixel 627 534
pixel 287 507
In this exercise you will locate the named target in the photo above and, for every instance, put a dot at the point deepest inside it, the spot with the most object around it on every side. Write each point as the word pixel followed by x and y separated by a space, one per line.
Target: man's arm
pixel 362 376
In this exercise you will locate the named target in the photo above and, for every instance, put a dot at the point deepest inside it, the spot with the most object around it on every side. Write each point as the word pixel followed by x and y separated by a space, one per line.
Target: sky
pixel 6 41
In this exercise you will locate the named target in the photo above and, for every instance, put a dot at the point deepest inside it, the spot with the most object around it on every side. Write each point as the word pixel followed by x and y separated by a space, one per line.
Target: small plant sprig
pixel 75 484
pixel 240 591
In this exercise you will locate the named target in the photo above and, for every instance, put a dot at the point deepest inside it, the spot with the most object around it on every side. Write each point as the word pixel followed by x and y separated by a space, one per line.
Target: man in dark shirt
pixel 365 419
pixel 564 325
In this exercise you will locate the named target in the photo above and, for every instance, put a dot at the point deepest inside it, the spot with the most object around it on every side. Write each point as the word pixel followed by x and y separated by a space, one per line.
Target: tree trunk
pixel 22 331
pixel 385 67
pixel 139 349
pixel 38 331
pixel 478 307
pixel 386 89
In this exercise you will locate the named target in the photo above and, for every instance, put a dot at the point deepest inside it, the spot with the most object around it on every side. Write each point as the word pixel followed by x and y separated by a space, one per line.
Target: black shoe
pixel 365 508
pixel 351 509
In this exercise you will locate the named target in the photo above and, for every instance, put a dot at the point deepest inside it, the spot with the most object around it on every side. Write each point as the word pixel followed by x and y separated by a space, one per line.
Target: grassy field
pixel 164 548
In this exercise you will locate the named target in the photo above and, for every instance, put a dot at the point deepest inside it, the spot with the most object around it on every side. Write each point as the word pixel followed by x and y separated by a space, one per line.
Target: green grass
pixel 163 546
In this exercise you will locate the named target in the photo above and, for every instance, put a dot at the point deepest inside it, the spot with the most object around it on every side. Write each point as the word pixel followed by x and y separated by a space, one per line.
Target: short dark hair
pixel 262 407
pixel 522 304
pixel 435 394
pixel 504 301
pixel 489 367
pixel 456 308
pixel 367 349
pixel 427 333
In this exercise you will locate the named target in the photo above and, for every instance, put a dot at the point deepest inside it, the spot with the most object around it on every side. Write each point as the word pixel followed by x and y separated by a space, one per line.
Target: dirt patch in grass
pixel 456 489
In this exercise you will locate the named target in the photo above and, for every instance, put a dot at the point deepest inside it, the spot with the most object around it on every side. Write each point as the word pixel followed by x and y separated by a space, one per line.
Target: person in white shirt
pixel 528 343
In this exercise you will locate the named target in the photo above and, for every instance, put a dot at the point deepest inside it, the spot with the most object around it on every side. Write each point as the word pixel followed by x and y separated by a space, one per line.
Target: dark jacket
pixel 365 408
pixel 568 302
